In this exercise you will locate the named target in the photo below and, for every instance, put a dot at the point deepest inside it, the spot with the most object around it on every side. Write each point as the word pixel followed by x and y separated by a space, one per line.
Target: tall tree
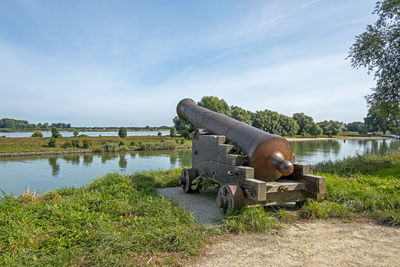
pixel 305 123
pixel 378 50
pixel 122 132
pixel 241 114
pixel 215 104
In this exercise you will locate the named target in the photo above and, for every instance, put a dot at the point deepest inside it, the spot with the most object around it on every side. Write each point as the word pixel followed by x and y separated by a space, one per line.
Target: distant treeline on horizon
pixel 8 125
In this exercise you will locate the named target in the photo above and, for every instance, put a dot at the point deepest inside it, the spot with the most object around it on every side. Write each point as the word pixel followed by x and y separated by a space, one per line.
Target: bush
pixel 121 143
pixel 122 132
pixel 76 133
pixel 159 133
pixel 52 142
pixel 182 141
pixel 66 144
pixel 37 134
pixel 133 143
pixel 55 133
pixel 86 143
pixel 75 143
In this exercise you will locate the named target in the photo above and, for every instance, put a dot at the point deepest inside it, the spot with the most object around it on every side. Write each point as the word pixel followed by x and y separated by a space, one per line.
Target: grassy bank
pixel 96 144
pixel 120 220
pixel 362 186
pixel 115 220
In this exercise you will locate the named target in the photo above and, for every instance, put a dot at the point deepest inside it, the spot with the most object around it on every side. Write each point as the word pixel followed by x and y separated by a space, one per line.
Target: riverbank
pixel 86 151
pixel 86 144
pixel 120 220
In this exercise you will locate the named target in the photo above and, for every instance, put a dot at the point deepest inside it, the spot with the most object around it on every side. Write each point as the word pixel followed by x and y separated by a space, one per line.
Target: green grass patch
pixel 361 186
pixel 96 144
pixel 115 220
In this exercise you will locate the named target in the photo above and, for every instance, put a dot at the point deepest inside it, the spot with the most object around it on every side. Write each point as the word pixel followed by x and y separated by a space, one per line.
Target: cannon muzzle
pixel 270 155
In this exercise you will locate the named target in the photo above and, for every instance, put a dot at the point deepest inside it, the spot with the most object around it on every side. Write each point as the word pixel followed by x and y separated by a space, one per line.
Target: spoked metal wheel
pixel 230 197
pixel 186 180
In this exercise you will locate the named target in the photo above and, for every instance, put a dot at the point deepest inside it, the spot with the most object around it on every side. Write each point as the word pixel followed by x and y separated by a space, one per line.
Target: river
pixel 41 174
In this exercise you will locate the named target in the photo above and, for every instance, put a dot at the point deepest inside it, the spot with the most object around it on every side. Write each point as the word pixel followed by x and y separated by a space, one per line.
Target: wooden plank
pixel 315 186
pixel 255 189
pixel 285 197
pixel 299 171
pixel 284 185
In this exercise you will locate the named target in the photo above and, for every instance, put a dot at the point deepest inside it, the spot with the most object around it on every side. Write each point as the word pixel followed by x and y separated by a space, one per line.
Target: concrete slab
pixel 201 205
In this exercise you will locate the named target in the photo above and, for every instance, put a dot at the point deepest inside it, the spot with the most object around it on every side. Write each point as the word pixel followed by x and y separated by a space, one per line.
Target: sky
pixel 129 63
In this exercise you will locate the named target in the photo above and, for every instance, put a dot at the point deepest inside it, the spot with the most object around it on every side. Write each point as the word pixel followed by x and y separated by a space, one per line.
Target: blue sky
pixel 128 63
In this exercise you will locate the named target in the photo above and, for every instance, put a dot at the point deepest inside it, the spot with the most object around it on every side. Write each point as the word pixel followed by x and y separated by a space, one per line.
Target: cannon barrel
pixel 270 155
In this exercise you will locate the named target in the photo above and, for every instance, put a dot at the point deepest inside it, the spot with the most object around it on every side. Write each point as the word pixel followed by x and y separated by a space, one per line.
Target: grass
pixel 120 220
pixel 97 144
pixel 115 220
pixel 362 186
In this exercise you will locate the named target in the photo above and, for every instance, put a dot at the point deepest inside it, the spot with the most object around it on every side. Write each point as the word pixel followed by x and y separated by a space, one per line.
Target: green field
pixel 120 220
pixel 97 144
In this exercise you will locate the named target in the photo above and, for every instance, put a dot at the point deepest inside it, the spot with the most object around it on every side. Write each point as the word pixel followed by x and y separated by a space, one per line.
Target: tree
pixel 75 133
pixel 55 133
pixel 330 127
pixel 378 50
pixel 275 123
pixel 183 127
pixel 159 134
pixel 382 117
pixel 122 132
pixel 357 126
pixel 305 123
pixel 241 114
pixel 172 132
pixel 215 104
pixel 315 130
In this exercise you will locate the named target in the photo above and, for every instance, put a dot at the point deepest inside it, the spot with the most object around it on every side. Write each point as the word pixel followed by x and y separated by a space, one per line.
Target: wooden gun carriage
pixel 251 166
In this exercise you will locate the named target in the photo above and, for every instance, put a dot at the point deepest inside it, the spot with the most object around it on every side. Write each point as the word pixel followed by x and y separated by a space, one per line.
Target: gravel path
pixel 317 243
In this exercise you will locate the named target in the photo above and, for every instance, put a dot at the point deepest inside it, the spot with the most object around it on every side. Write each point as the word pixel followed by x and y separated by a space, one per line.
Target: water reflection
pixel 42 174
pixel 312 152
pixel 55 168
pixel 122 161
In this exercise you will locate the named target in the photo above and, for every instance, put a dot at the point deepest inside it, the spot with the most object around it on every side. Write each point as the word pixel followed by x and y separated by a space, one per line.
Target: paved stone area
pixel 202 205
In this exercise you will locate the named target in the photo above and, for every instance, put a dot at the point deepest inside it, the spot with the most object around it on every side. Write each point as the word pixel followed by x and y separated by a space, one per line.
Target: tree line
pixel 267 120
pixel 13 124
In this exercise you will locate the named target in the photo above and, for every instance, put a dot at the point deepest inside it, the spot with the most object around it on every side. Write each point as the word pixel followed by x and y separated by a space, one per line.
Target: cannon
pixel 251 166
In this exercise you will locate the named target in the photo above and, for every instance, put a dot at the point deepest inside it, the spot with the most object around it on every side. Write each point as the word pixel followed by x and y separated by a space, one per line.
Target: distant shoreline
pixel 69 152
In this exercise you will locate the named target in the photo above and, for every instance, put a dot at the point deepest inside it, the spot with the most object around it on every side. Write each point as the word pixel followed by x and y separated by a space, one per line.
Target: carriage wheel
pixel 230 197
pixel 186 180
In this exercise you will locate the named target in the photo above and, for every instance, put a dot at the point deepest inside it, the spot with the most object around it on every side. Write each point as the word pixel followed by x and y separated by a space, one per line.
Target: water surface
pixel 42 174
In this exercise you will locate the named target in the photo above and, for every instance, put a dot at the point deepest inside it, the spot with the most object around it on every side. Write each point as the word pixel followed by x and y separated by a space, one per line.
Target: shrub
pixel 83 135
pixel 37 134
pixel 76 133
pixel 52 142
pixel 75 143
pixel 133 143
pixel 122 132
pixel 66 144
pixel 86 143
pixel 55 133
pixel 182 141
pixel 159 133
pixel 121 143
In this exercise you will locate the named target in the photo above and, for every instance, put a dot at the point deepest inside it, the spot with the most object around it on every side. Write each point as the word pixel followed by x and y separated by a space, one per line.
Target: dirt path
pixel 318 243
